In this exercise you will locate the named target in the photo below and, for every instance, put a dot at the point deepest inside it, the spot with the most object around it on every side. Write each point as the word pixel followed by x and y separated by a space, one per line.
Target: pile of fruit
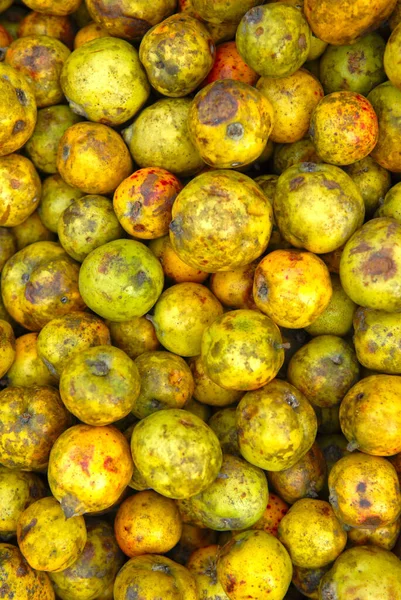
pixel 200 310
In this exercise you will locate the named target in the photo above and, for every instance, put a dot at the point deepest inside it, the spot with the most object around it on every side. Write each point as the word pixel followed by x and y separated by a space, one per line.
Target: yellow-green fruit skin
pixel 384 537
pixel 57 195
pixel 32 230
pixel 159 444
pixel 222 11
pixel 372 180
pixel 203 564
pixel 20 189
pixel 392 57
pixel 208 392
pixel 7 347
pixel 19 580
pixel 391 206
pixel 28 368
pixel 99 92
pixel 8 245
pixel 274 39
pixel 386 101
pixel 337 317
pixel 224 424
pixel 375 338
pixel 18 489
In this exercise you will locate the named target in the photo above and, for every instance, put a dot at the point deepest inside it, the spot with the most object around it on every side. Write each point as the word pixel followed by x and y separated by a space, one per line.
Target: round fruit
pixel 391 57
pixel 229 65
pixel 386 101
pixel 212 235
pixel 91 31
pixel 224 424
pixel 391 205
pixel 288 155
pixel 18 489
pixel 276 426
pixel 56 26
pixel 274 512
pixel 32 230
pixel 221 11
pixel 375 337
pixel 337 317
pixel 372 181
pixel 176 452
pixel 53 6
pixel 135 336
pixel 203 566
pixel 7 347
pixel 57 195
pixel 19 580
pixel 20 189
pixel 208 392
pixel 307 580
pixel 384 537
pixel 28 368
pixel 8 245
pixel 173 267
pixel 234 288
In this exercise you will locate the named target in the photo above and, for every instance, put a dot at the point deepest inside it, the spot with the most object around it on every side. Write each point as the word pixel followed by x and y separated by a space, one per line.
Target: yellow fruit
pixel 57 195
pixel 32 230
pixel 91 31
pixel 307 580
pixel 135 336
pixel 375 338
pixel 234 288
pixel 336 319
pixel 391 57
pixel 222 11
pixel 391 206
pixel 57 26
pixel 384 537
pixel 19 580
pixel 53 7
pixel 274 512
pixel 20 189
pixel 18 489
pixel 8 245
pixel 386 101
pixel 203 566
pixel 173 267
pixel 288 155
pixel 208 392
pixel 28 368
pixel 7 347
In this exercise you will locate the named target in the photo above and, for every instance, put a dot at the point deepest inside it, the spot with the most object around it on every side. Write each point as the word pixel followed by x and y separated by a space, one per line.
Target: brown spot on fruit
pixel 302 41
pixel 231 583
pixel 19 126
pixel 380 263
pixel 362 247
pixel 22 99
pixel 331 185
pixel 361 487
pixel 296 183
pixel 254 15
pixel 217 106
pixel 235 131
pixel 364 503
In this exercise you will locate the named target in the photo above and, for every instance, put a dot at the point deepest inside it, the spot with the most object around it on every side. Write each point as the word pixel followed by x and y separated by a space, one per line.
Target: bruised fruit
pixel 143 202
pixel 20 189
pixel 57 195
pixel 53 7
pixel 176 452
pixel 229 65
pixel 244 562
pixel 372 181
pixel 121 280
pixel 391 57
pixel 147 523
pixel 384 537
pixel 235 500
pixel 336 319
pixel 18 489
pixel 242 350
pixel 177 55
pixel 364 491
pixel 152 576
pixel 159 137
pixel 206 390
pixel 94 569
pixel 312 534
pixel 234 288
pixel 28 368
pixel 135 336
pixel 32 230
pixel 56 26
pixel 84 454
pixel 317 207
pixel 173 267
pixel 49 541
pixel 7 347
pixel 91 215
pixel 288 155
pixel 98 91
pixel 370 267
pixel 19 580
pixel 375 337
pixel 273 513
pixel 292 287
pixel 276 426
pixel 334 446
pixel 68 335
pixel 324 370
pixel 203 566
pixel 39 417
pixel 370 415
pixel 93 158
pixel 224 425
pixel 91 31
pixel 40 283
pixel 307 581
pixel 100 385
pixel 229 123
pixel 386 101
pixel 391 205
pixel 241 224
pixel 274 39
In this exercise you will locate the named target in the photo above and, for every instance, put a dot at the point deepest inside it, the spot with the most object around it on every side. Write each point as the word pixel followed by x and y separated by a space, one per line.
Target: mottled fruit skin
pixel 93 158
pixel 40 58
pixel 352 115
pixel 135 336
pixel 305 479
pixel 40 283
pixel 391 57
pixel 386 101
pixel 129 19
pixel 370 267
pixel 91 215
pixel 312 534
pixel 32 230
pixel 7 347
pixel 244 561
pixel 292 287
pixel 372 180
pixel 317 207
pixel 18 110
pixel 229 65
pixel 224 424
pixel 121 280
pixel 215 236
pixel 152 576
pixel 274 39
pixel 143 202
pixel 96 567
pixel 99 92
pixel 229 123
pixel 20 189
pixel 91 31
pixel 173 267
pixel 337 317
pixel 273 513
pixel 192 538
pixel 161 441
pixel 147 523
pixel 177 55
pixel 19 580
pixel 242 350
pixel 375 337
pixel 234 288
pixel 53 7
pixel 31 420
pixel 159 137
pixel 293 99
pixel 206 390
pixel 367 411
pixel 324 370
pixel 82 453
pixel 352 19
pixel 68 335
pixel 57 195
pixel 18 489
pixel 276 426
pixel 375 573
pixel 203 566
pixel 56 26
pixel 307 581
pixel 48 541
pixel 28 368
pixel 8 245
pixel 384 537
pixel 365 491
pixel 391 205
pixel 288 155
pixel 235 500
pixel 221 11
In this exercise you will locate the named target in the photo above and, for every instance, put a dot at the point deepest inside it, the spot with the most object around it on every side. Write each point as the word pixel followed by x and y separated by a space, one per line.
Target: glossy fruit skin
pixel 242 564
pixel 276 426
pixel 21 580
pixel 370 265
pixel 206 390
pixel 364 491
pixel 234 288
pixel 296 276
pixel 385 99
pixel 372 180
pixel 7 347
pixel 304 215
pixel 135 336
pixel 40 417
pixel 40 283
pixel 99 275
pixel 57 195
pixel 28 368
pixel 234 339
pixel 173 267
pixel 229 65
pixel 97 92
pixel 241 226
pixel 56 26
pixel 337 317
pixel 229 123
pixel 203 565
pixel 353 19
pixel 20 189
pixel 159 443
pixel 18 490
pixel 78 456
pixel 375 335
pixel 53 7
pixel 391 54
pixel 274 39
pixel 376 573
pixel 384 537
